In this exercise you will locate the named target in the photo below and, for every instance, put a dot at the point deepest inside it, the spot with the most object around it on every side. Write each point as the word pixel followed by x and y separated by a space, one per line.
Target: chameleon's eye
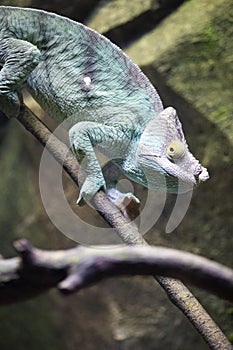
pixel 176 149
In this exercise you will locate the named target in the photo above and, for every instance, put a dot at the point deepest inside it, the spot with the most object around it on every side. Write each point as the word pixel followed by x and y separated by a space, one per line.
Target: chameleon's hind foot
pixel 128 203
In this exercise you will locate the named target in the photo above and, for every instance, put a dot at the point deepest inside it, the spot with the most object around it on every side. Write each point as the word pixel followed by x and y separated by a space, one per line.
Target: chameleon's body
pixel 76 74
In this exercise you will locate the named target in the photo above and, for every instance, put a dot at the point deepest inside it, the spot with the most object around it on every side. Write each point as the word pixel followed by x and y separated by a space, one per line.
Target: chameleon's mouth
pixel 192 177
pixel 187 181
pixel 187 176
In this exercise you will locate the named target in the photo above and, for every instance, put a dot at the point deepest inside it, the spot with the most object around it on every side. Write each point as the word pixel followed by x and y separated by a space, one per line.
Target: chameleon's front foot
pixel 90 187
pixel 9 104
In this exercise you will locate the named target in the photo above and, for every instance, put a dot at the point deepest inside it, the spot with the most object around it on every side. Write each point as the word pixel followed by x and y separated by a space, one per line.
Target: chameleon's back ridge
pixel 79 65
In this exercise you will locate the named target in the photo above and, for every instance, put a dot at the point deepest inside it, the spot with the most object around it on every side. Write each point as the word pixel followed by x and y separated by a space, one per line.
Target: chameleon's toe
pixel 80 201
pixel 131 197
pixel 9 105
pixel 128 203
pixel 121 199
pixel 89 188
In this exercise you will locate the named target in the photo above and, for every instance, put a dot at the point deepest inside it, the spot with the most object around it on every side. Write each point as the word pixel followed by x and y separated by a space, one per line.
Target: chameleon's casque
pixel 76 74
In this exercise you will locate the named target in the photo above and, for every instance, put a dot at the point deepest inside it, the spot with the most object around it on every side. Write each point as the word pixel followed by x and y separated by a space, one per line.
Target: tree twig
pixel 175 290
pixel 73 269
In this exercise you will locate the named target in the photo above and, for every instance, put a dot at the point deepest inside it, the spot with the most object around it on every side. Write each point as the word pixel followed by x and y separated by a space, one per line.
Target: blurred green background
pixel 186 49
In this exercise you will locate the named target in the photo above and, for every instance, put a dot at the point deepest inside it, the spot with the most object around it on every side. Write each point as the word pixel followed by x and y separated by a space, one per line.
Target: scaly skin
pixel 77 75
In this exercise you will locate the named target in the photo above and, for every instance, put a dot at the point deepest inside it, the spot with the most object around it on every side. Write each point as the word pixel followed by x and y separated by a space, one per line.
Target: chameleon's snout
pixel 202 176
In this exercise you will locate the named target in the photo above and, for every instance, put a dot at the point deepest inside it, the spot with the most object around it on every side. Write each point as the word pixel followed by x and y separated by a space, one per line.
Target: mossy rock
pixel 193 51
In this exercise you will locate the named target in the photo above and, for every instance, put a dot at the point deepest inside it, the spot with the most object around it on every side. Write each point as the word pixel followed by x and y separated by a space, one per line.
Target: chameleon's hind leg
pixel 18 58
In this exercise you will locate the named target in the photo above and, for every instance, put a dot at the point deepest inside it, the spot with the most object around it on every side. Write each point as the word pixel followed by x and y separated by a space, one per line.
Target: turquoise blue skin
pixel 77 75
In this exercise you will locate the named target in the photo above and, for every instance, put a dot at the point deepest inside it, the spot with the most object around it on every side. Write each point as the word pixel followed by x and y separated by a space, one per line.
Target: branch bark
pixel 175 290
pixel 73 269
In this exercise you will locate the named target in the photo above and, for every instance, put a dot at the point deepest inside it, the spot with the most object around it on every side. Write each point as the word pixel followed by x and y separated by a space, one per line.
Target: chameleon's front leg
pixel 18 58
pixel 83 137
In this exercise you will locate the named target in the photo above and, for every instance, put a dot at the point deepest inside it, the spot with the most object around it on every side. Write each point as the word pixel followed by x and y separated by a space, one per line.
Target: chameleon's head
pixel 163 148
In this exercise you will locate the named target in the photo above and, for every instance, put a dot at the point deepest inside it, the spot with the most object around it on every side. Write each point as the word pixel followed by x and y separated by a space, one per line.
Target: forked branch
pixel 70 270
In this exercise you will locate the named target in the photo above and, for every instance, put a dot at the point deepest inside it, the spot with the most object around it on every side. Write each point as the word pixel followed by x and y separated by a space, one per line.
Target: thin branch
pixel 73 269
pixel 175 290
pixel 144 260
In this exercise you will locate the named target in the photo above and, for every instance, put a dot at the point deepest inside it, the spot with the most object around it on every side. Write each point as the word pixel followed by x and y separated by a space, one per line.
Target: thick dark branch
pixel 70 270
pixel 175 290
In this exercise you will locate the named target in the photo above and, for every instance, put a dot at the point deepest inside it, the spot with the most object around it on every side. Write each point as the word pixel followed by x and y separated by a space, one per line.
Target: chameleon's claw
pixel 119 198
pixel 10 105
pixel 130 196
pixel 89 188
pixel 80 201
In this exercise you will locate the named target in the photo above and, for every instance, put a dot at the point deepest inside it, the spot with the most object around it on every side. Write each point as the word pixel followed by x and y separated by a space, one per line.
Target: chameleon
pixel 79 76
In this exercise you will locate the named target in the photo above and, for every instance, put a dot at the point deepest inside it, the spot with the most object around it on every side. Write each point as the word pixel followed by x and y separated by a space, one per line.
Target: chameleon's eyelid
pixel 149 155
pixel 145 152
